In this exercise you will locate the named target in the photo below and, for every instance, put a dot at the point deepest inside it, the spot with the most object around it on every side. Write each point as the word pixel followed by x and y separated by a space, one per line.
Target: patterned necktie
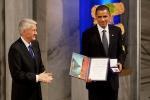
pixel 31 51
pixel 105 41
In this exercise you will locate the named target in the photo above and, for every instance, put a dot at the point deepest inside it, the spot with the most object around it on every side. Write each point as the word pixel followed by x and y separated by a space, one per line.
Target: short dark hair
pixel 102 7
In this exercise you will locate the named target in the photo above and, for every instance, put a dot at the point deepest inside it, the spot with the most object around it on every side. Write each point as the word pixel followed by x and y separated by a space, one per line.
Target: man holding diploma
pixel 103 41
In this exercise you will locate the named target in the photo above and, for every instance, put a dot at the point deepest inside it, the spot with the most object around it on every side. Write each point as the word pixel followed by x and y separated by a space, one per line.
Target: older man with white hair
pixel 26 65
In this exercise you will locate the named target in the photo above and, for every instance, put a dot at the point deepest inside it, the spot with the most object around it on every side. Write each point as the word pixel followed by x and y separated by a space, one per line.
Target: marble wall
pixel 2 52
pixel 62 34
pixel 133 57
pixel 58 35
pixel 58 39
pixel 145 51
pixel 15 10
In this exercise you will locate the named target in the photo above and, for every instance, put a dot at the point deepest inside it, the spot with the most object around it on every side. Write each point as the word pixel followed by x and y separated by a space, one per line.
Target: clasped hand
pixel 45 77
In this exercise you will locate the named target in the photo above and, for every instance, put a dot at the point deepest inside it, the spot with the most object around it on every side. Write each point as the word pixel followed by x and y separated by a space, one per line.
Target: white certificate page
pixel 98 69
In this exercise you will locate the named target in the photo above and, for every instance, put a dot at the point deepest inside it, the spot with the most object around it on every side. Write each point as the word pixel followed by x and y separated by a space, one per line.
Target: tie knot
pixel 104 31
pixel 30 46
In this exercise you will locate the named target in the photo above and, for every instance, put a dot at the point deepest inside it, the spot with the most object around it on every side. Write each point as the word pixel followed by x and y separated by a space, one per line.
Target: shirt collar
pixel 101 29
pixel 25 42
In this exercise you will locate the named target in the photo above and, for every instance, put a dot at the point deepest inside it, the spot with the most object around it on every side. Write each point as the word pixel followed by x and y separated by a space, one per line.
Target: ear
pixel 111 19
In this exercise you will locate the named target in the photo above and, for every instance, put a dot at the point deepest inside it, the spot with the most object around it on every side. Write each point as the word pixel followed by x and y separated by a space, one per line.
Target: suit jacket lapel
pixel 111 38
pixel 98 35
pixel 99 39
pixel 24 48
pixel 26 53
pixel 36 55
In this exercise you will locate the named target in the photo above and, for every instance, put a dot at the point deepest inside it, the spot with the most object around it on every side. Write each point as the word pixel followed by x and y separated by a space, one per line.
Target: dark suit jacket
pixel 93 47
pixel 23 70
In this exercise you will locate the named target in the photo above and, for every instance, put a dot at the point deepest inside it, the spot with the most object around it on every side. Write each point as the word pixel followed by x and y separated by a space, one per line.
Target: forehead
pixel 33 26
pixel 102 12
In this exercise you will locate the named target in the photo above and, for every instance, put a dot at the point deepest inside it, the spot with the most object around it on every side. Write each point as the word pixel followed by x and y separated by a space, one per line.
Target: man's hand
pixel 119 66
pixel 45 77
pixel 87 80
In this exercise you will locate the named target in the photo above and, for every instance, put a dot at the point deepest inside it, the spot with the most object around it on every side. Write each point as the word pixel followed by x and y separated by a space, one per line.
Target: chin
pixel 103 26
pixel 33 39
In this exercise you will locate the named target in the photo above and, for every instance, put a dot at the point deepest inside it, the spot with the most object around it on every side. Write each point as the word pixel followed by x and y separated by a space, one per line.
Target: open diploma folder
pixel 92 68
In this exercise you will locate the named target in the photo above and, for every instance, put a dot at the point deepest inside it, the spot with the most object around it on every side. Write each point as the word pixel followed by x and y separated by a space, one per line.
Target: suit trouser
pixel 103 93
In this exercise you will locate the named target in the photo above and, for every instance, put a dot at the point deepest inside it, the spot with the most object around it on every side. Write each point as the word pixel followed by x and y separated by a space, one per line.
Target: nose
pixel 35 32
pixel 103 19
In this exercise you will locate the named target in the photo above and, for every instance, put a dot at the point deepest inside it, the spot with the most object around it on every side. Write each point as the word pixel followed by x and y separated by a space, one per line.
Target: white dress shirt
pixel 100 29
pixel 25 42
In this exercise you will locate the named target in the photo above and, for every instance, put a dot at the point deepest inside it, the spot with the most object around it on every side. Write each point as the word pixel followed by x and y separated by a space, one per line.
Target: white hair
pixel 26 24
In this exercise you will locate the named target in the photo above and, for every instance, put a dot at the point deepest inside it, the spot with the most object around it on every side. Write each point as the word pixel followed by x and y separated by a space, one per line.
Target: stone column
pixel 14 11
pixel 145 51
pixel 2 51
pixel 58 34
pixel 62 27
pixel 134 39
pixel 40 15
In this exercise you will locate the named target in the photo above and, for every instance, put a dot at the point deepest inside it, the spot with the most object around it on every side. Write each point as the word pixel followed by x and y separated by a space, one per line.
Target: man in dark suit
pixel 26 65
pixel 95 44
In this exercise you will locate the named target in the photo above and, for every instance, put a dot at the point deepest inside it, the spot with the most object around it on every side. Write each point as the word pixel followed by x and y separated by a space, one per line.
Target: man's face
pixel 103 18
pixel 30 34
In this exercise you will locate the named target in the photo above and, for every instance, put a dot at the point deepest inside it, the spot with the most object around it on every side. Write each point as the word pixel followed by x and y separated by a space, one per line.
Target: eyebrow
pixel 103 16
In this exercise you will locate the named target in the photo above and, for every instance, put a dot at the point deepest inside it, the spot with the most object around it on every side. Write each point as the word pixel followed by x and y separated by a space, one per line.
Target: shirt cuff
pixel 37 78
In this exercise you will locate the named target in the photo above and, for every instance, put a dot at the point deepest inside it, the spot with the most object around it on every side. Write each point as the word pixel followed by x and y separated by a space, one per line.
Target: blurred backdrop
pixel 59 35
